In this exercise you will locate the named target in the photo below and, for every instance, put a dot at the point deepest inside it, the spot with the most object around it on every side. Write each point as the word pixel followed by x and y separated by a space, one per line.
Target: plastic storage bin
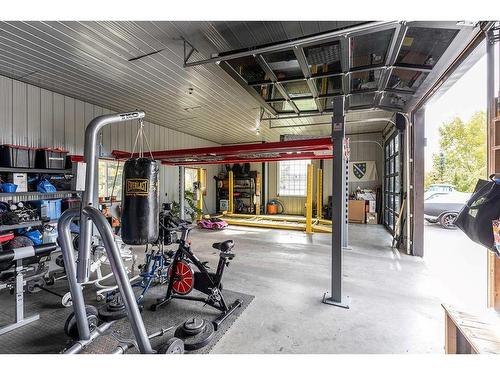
pixel 50 158
pixel 49 208
pixel 7 187
pixel 14 156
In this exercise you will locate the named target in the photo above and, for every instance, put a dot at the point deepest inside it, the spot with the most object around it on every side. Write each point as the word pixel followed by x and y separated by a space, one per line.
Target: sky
pixel 463 99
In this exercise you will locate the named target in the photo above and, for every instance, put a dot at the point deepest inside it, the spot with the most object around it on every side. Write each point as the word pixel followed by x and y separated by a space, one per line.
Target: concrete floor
pixel 458 265
pixel 393 307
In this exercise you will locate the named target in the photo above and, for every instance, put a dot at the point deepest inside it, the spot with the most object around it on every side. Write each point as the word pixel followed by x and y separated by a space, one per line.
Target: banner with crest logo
pixel 362 171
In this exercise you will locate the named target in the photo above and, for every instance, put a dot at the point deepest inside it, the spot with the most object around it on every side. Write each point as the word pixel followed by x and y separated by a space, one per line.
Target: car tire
pixel 447 220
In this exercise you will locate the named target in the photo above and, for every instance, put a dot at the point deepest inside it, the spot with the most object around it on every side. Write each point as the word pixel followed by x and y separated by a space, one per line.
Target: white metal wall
pixel 37 117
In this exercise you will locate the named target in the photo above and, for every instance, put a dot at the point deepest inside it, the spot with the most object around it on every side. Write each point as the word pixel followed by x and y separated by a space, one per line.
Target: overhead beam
pixel 392 54
pixel 281 157
pixel 302 145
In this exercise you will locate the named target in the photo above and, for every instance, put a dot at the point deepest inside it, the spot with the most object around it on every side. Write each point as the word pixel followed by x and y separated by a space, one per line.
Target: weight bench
pixel 17 256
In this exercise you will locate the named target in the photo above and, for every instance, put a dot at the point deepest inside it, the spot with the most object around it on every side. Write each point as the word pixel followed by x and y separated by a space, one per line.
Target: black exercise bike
pixel 183 278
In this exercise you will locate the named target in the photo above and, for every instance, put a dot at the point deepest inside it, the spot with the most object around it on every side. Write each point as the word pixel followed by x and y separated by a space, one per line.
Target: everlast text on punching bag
pixel 140 200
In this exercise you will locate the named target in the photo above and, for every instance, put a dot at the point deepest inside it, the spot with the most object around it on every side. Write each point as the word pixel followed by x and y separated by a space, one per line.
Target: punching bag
pixel 140 201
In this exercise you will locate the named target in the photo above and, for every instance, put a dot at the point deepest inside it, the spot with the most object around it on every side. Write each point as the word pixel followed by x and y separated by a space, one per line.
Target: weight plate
pixel 60 261
pixel 32 287
pixel 193 326
pixel 109 313
pixel 70 327
pixel 66 300
pixel 194 342
pixel 173 346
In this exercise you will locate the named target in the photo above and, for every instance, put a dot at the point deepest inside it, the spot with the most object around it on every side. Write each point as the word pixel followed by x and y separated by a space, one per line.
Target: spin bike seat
pixel 225 246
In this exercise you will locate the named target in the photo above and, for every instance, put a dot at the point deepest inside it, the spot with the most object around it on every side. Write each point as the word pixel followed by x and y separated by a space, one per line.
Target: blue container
pixel 49 209
pixel 9 188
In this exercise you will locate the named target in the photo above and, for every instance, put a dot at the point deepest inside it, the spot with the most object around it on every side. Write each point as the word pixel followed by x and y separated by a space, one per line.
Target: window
pixel 110 178
pixel 292 178
pixel 191 176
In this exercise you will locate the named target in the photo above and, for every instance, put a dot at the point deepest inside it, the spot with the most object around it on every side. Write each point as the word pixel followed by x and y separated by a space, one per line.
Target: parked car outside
pixel 443 208
pixel 438 189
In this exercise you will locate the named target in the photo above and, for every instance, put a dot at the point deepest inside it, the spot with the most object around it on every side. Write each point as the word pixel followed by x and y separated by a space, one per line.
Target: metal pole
pixel 338 202
pixel 319 194
pixel 345 212
pixel 68 253
pixel 264 186
pixel 182 189
pixel 89 195
pixel 121 277
pixel 199 203
pixel 231 191
pixel 309 198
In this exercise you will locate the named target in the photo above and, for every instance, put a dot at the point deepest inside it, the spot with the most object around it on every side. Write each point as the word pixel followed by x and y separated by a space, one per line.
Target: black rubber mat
pixel 46 335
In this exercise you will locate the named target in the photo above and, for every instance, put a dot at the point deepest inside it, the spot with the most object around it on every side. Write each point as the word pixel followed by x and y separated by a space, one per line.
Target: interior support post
pixel 264 187
pixel 182 188
pixel 335 297
pixel 309 198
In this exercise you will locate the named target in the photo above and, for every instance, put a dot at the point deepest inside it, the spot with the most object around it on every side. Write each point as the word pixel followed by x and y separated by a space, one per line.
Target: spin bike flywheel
pixel 184 277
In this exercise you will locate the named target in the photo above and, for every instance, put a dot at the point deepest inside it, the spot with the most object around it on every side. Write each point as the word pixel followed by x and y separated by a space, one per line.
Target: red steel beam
pixel 300 156
pixel 303 145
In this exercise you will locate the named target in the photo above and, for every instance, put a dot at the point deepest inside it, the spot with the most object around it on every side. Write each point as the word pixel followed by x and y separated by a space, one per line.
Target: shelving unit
pixel 249 186
pixel 23 195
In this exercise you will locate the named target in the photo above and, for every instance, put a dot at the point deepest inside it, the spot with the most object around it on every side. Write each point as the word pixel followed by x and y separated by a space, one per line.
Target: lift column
pixel 182 188
pixel 199 203
pixel 338 204
pixel 230 178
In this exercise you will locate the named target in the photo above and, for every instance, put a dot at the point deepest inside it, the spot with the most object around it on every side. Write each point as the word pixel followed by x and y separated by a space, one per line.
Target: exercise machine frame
pixel 78 272
pixel 214 298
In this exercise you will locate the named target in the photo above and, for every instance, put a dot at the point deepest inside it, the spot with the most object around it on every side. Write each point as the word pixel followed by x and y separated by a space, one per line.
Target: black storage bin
pixel 50 158
pixel 73 202
pixel 72 159
pixel 14 156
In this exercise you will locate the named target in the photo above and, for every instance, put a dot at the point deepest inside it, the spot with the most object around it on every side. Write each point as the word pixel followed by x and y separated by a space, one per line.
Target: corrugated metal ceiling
pixel 89 61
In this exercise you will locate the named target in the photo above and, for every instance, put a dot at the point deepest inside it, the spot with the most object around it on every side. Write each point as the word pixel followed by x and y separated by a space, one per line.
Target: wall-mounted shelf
pixel 34 170
pixel 4 228
pixel 35 223
pixel 38 194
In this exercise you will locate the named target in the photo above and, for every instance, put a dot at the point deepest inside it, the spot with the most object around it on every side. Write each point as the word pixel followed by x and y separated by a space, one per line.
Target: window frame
pixel 107 186
pixel 393 173
pixel 278 178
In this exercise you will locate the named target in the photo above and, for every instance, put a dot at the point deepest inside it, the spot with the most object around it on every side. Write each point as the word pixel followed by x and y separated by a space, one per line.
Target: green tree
pixel 462 158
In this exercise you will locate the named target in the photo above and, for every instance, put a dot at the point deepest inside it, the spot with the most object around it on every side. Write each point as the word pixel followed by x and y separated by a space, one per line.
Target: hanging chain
pixel 140 138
